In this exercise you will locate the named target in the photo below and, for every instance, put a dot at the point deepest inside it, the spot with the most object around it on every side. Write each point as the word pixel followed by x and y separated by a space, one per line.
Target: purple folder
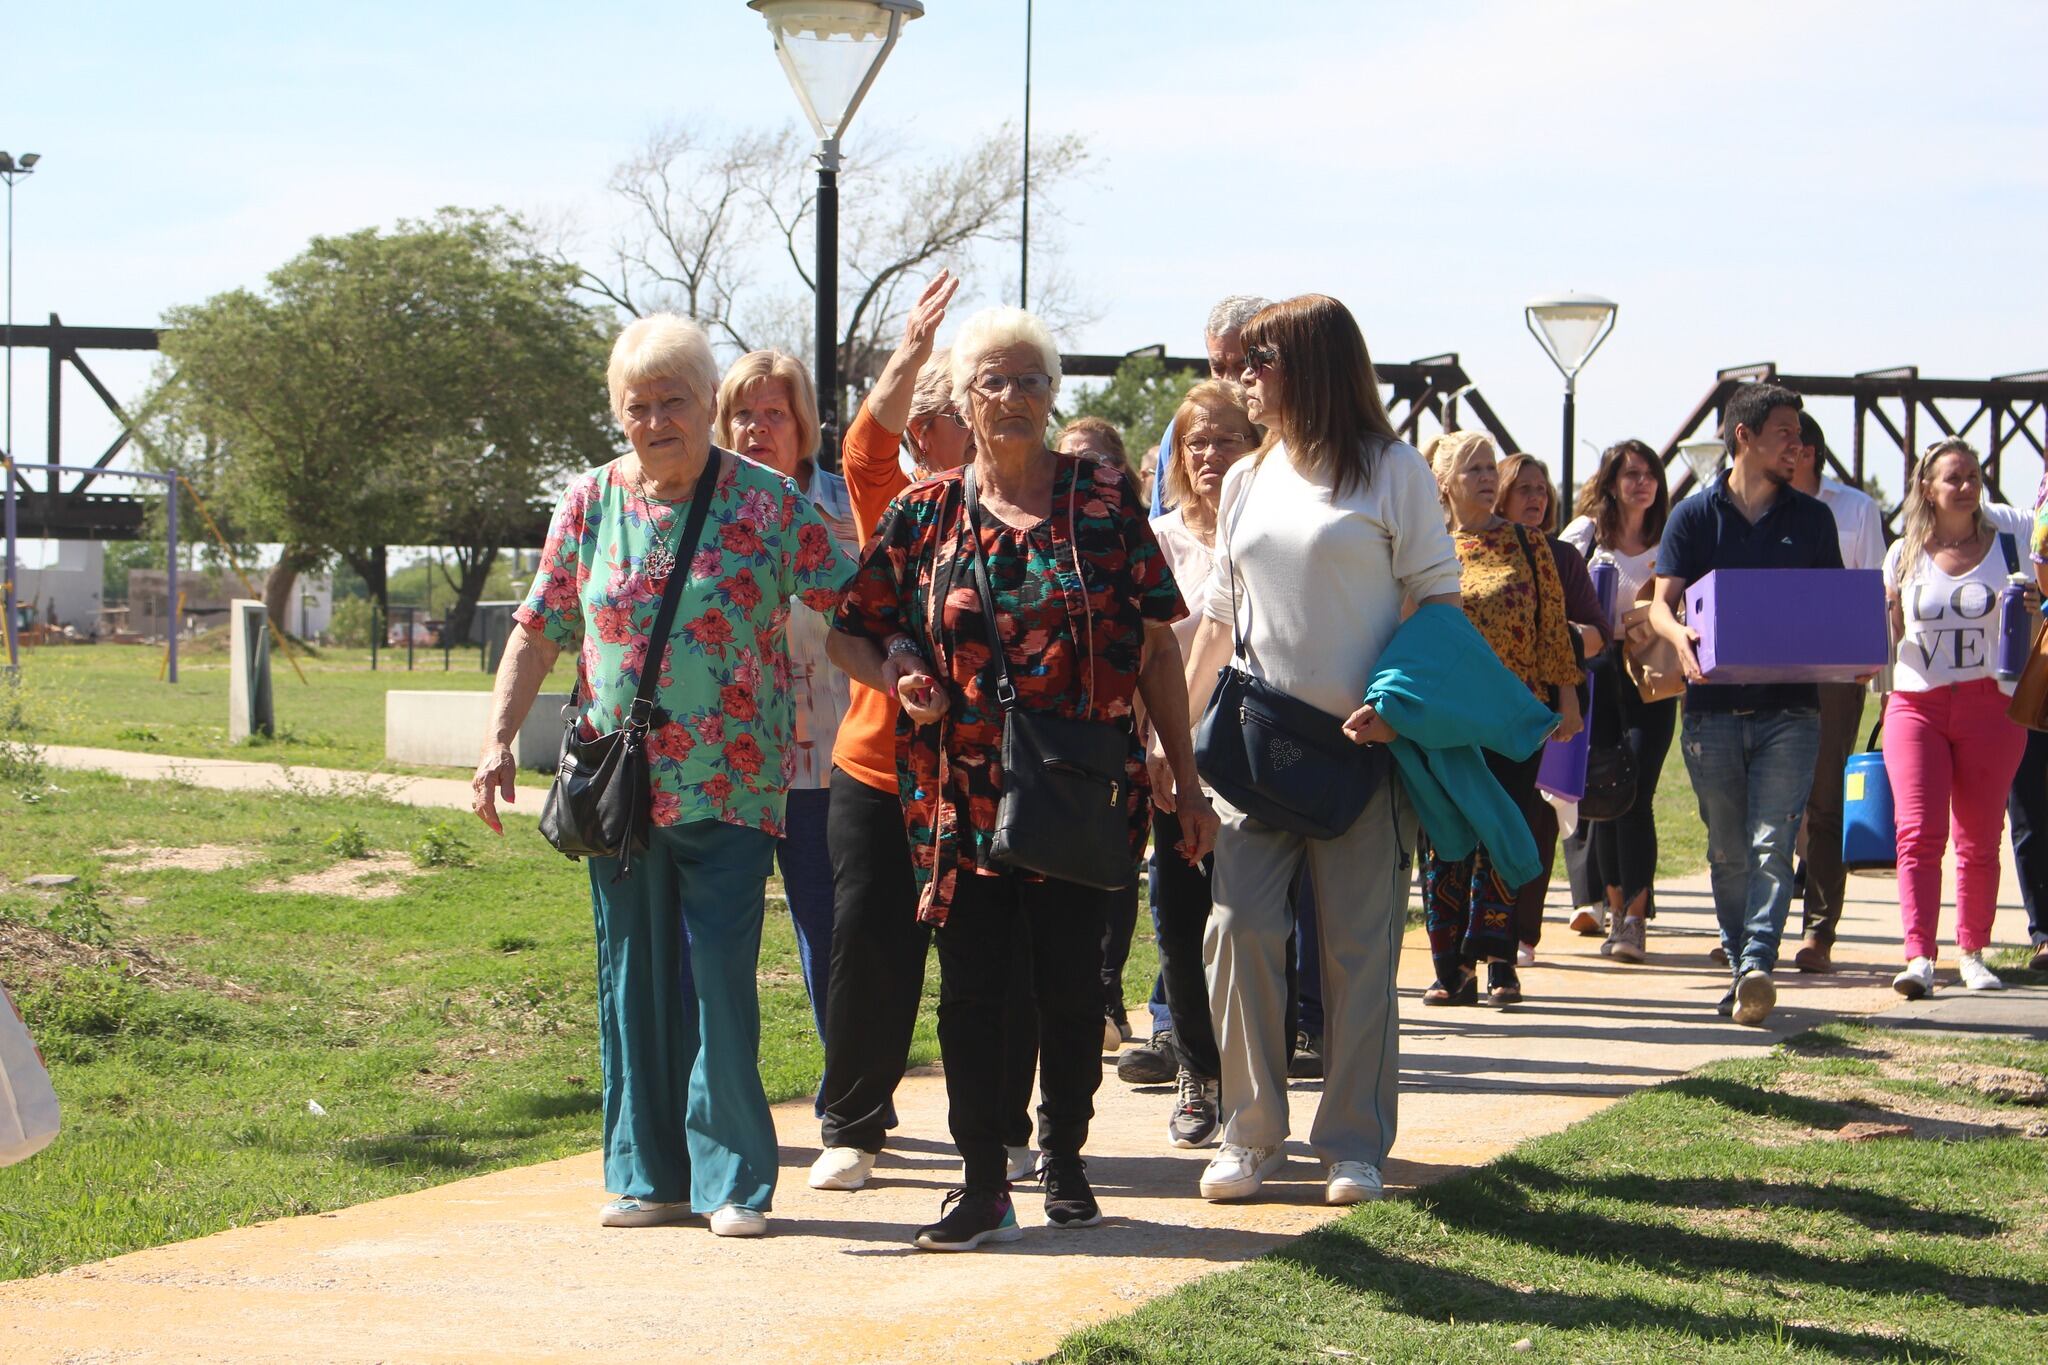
pixel 1788 625
pixel 1563 770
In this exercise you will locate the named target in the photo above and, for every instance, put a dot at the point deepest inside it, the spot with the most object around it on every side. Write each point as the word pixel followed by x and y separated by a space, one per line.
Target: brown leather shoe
pixel 1814 959
pixel 2039 961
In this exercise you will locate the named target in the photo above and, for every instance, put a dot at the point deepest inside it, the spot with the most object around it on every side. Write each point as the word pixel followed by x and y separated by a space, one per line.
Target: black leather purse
pixel 1065 786
pixel 1278 759
pixel 599 805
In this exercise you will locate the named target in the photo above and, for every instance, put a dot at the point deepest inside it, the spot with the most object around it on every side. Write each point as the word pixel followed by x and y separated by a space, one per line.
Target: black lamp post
pixel 1570 327
pixel 11 170
pixel 832 50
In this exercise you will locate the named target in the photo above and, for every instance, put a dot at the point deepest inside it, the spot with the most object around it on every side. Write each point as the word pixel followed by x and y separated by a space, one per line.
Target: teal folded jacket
pixel 1447 696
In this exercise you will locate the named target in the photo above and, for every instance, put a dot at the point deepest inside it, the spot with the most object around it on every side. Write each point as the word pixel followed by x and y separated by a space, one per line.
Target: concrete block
pixel 447 729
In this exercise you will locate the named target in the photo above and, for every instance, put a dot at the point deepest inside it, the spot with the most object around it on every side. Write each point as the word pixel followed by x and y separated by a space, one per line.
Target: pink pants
pixel 1950 749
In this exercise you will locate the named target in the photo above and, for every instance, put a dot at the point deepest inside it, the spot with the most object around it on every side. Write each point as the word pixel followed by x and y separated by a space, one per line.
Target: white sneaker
pixel 736 1221
pixel 1917 980
pixel 1353 1182
pixel 841 1168
pixel 1525 955
pixel 1237 1172
pixel 1022 1163
pixel 1590 920
pixel 1755 996
pixel 1976 975
pixel 634 1212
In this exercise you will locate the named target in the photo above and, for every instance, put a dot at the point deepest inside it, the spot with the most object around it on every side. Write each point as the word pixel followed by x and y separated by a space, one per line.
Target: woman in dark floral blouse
pixel 1083 602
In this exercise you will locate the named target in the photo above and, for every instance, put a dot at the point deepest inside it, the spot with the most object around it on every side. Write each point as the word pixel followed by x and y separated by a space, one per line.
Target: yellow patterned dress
pixel 1515 599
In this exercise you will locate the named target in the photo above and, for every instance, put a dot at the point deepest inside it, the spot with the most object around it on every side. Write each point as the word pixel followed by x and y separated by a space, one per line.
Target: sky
pixel 1836 187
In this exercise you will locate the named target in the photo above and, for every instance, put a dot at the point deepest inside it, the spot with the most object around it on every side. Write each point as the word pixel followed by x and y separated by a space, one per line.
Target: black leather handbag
pixel 599 805
pixel 1278 759
pixel 1065 787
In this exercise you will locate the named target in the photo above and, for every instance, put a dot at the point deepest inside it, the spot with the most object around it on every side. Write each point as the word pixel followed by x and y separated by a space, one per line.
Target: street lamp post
pixel 832 50
pixel 1570 327
pixel 11 171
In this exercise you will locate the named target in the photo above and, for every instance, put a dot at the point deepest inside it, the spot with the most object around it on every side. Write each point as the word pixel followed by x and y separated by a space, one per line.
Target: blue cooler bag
pixel 1870 838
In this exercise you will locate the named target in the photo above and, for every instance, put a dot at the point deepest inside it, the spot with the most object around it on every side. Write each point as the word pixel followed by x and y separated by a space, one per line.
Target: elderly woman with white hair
pixel 686 1124
pixel 1022 597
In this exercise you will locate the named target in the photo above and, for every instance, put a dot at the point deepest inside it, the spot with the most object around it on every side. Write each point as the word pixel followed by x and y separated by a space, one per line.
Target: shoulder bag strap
pixel 1006 690
pixel 1236 571
pixel 672 592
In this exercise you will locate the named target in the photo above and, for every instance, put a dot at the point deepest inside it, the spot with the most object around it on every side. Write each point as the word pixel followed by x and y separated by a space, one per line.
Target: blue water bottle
pixel 2013 630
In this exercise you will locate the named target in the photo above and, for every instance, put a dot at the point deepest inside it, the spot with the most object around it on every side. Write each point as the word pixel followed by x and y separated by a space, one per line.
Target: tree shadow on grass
pixel 1440 1294
pixel 1496 1201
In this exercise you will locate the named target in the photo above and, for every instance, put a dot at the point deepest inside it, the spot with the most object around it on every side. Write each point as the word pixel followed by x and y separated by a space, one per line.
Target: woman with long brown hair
pixel 1319 540
pixel 1621 514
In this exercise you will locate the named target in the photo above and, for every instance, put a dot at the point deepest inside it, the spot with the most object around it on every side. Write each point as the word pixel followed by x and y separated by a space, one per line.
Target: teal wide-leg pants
pixel 685 1117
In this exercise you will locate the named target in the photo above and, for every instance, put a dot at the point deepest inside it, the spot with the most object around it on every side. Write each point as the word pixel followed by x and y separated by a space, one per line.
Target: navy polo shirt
pixel 1707 531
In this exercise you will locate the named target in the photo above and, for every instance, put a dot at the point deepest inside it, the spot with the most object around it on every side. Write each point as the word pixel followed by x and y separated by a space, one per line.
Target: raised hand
pixel 928 312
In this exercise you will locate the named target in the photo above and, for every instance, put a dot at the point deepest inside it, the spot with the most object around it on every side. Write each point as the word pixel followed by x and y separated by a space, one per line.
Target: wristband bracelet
pixel 902 644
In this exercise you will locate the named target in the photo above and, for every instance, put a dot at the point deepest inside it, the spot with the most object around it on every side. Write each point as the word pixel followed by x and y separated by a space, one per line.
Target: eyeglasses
pixel 955 416
pixel 1259 357
pixel 1033 385
pixel 1201 446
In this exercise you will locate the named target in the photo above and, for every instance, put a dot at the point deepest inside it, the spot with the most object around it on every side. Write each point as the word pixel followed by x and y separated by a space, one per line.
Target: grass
pixel 1718 1217
pixel 108 697
pixel 445 1032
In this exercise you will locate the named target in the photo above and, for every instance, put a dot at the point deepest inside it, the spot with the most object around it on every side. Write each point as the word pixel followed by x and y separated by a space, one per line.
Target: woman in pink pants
pixel 1948 745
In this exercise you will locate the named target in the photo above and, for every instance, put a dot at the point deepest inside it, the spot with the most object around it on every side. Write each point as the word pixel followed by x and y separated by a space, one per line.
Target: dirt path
pixel 513 1265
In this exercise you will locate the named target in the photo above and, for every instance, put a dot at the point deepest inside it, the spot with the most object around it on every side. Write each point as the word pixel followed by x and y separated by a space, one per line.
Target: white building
pixel 61 581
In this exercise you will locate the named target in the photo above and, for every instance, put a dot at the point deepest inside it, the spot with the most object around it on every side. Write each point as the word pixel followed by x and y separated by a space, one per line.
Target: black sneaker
pixel 1726 1009
pixel 1069 1202
pixel 968 1218
pixel 1152 1062
pixel 1307 1062
pixel 1195 1113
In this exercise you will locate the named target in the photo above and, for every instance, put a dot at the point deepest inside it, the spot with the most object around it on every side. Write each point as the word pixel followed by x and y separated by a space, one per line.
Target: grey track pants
pixel 1362 880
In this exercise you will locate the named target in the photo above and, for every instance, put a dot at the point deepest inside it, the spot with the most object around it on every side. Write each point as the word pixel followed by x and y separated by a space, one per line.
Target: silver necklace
pixel 660 560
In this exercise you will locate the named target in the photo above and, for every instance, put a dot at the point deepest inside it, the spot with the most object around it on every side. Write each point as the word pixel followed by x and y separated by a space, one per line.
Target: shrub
pixel 441 846
pixel 82 915
pixel 350 841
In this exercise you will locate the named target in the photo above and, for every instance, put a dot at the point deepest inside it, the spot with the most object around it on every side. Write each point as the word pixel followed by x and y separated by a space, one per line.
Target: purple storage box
pixel 1563 770
pixel 1789 625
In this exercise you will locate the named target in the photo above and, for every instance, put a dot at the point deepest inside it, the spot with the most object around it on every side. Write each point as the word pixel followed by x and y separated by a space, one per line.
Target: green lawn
pixel 446 1031
pixel 1718 1217
pixel 108 696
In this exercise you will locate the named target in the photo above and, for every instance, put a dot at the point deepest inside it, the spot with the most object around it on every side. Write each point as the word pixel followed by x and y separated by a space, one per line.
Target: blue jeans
pixel 1751 774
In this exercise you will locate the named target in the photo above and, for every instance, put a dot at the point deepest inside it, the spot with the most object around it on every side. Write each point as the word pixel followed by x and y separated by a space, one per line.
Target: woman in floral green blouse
pixel 686 1123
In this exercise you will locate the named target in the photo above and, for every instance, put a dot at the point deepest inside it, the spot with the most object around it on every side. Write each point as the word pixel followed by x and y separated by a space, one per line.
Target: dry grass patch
pixel 378 877
pixel 199 858
pixel 33 956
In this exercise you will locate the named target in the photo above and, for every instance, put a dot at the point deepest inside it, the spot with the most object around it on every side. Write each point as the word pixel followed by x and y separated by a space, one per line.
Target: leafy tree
pixel 421 386
pixel 1139 400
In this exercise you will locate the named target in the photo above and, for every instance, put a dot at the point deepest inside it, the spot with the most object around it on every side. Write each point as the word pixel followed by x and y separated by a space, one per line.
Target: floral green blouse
pixel 723 743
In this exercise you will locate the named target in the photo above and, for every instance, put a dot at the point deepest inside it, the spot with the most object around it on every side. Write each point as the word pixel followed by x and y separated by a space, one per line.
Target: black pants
pixel 878 955
pixel 1180 899
pixel 1820 833
pixel 1623 851
pixel 1117 930
pixel 977 961
pixel 2027 808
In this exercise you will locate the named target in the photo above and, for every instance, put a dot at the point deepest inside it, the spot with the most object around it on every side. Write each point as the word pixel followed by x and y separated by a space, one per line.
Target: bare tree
pixel 699 210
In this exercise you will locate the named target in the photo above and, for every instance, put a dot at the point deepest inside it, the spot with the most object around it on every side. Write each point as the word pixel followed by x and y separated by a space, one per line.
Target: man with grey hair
pixel 1221 339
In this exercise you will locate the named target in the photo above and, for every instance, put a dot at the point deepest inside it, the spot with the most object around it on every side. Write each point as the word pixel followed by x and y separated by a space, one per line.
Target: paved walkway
pixel 514 1265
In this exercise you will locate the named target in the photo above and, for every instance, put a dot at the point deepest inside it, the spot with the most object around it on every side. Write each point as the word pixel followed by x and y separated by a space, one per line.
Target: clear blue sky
pixel 1834 186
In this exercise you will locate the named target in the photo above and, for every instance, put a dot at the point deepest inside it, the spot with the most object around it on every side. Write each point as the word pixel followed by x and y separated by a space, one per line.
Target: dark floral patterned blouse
pixel 1074 644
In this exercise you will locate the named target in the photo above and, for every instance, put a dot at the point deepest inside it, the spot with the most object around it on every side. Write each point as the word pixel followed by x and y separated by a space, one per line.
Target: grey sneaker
pixel 1152 1062
pixel 1627 943
pixel 1195 1112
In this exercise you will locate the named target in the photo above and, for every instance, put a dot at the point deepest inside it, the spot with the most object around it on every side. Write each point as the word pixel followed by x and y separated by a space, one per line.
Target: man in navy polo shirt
pixel 1750 749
